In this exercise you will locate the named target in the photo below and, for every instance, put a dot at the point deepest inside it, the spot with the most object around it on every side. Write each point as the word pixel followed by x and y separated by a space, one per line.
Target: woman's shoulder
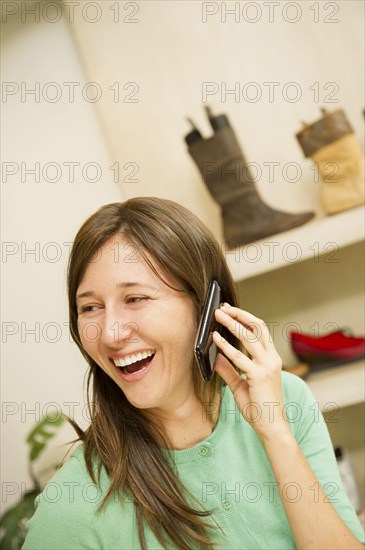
pixel 74 472
pixel 75 459
pixel 73 467
pixel 75 455
pixel 68 513
pixel 65 510
pixel 69 483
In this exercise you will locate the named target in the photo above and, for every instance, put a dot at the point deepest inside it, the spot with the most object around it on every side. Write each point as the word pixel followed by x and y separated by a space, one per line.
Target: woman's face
pixel 137 329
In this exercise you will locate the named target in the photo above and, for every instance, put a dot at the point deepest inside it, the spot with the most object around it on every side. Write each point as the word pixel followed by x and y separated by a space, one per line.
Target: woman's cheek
pixel 90 333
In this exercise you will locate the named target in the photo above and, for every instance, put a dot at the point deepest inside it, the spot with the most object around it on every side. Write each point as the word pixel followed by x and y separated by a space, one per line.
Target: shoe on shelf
pixel 328 350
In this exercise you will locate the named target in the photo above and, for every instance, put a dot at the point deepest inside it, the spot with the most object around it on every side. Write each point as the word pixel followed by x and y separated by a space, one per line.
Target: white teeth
pixel 130 359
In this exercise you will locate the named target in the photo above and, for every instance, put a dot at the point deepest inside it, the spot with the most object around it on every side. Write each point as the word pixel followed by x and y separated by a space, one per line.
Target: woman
pixel 170 461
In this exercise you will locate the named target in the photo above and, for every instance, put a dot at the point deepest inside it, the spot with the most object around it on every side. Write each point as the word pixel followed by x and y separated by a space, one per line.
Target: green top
pixel 228 472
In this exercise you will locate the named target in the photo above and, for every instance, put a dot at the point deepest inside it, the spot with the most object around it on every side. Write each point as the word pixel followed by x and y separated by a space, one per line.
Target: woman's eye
pixel 86 309
pixel 136 299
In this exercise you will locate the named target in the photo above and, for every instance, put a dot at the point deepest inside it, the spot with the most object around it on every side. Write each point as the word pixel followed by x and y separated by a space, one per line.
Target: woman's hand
pixel 259 397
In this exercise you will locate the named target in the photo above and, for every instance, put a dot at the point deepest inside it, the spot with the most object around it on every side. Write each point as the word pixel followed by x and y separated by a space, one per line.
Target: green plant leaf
pixel 45 430
pixel 13 522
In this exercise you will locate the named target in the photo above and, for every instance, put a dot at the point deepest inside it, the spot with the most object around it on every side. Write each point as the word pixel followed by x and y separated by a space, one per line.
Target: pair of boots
pixel 246 217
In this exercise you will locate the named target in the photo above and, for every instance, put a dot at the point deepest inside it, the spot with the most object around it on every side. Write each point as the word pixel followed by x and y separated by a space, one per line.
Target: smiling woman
pixel 147 328
pixel 165 450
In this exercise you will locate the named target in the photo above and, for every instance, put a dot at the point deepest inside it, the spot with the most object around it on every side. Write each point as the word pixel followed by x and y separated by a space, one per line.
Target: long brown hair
pixel 119 438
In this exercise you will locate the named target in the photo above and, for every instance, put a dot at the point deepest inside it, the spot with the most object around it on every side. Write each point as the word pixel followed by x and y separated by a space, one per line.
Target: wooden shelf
pixel 319 236
pixel 343 385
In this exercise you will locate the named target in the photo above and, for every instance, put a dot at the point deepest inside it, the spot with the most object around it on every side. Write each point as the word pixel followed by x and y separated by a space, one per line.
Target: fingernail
pixel 225 306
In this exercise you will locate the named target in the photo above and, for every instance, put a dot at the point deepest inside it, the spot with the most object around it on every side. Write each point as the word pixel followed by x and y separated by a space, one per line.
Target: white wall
pixel 169 53
pixel 36 372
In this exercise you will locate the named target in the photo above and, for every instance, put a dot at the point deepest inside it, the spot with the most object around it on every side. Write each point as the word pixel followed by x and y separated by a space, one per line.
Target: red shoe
pixel 325 351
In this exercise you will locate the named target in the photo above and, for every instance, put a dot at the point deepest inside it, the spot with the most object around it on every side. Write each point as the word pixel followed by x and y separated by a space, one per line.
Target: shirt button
pixel 204 451
pixel 227 505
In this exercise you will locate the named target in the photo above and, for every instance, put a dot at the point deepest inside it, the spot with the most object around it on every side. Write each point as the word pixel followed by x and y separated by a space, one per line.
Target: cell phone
pixel 205 349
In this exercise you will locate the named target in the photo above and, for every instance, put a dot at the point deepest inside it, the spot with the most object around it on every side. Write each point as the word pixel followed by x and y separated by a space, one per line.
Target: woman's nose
pixel 119 329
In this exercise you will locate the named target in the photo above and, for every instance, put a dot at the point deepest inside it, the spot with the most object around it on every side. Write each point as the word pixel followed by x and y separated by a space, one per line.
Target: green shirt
pixel 228 472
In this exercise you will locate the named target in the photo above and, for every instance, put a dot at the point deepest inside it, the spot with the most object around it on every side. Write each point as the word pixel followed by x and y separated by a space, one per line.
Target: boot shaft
pixel 329 128
pixel 331 144
pixel 223 166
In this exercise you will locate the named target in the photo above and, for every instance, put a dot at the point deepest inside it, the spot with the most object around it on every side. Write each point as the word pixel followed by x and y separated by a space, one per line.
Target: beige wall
pixel 168 53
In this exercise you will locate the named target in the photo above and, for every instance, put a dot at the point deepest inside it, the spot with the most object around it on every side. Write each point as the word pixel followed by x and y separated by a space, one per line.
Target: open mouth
pixel 137 366
pixel 134 363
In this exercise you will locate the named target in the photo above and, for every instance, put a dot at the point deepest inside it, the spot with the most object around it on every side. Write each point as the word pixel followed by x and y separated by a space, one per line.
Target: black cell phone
pixel 205 350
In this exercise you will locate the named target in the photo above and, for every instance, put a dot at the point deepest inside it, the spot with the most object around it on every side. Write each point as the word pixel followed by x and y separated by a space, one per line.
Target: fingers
pixel 235 355
pixel 256 329
pixel 254 335
pixel 252 339
pixel 224 368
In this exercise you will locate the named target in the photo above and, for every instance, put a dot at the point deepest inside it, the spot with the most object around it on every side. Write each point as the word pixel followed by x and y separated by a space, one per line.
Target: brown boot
pixel 246 218
pixel 331 143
